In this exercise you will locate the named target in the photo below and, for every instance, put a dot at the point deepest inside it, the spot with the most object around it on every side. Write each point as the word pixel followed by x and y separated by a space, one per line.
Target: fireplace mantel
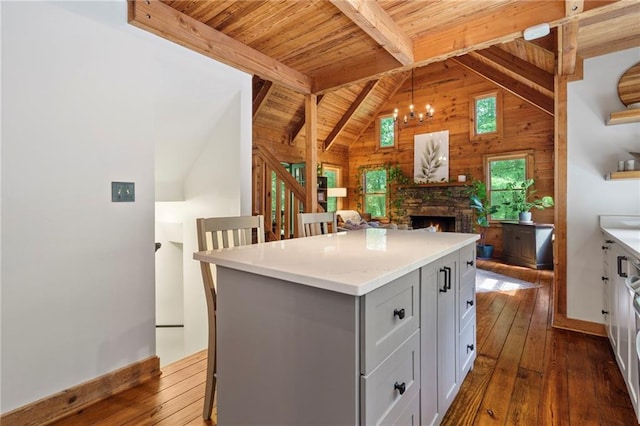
pixel 430 185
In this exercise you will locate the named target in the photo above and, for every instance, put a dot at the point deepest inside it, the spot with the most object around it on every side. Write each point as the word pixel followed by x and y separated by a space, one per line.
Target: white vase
pixel 524 217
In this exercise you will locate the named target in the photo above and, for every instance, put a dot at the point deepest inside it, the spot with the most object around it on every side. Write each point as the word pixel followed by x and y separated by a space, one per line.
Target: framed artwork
pixel 431 157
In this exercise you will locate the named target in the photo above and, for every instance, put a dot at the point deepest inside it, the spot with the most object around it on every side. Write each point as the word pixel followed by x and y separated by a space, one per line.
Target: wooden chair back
pixel 215 233
pixel 310 224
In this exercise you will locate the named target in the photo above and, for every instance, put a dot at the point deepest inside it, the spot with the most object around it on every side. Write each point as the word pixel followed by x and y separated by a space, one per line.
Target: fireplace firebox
pixel 440 223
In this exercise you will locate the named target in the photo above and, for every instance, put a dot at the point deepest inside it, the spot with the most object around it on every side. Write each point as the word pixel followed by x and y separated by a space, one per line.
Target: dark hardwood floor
pixel 526 373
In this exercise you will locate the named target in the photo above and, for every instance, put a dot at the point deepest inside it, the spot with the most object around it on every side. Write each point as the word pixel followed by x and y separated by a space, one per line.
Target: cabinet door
pixel 613 298
pixel 622 311
pixel 428 344
pixel 447 331
pixel 527 240
pixel 607 292
pixel 509 240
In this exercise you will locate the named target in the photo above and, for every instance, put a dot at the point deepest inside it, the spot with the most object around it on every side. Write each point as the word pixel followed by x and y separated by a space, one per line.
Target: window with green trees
pixel 386 130
pixel 505 172
pixel 375 192
pixel 486 114
pixel 332 182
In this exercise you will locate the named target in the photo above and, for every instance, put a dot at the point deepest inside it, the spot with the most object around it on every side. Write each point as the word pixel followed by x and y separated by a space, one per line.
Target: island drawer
pixel 467 349
pixel 409 415
pixel 390 387
pixel 388 316
pixel 467 262
pixel 466 304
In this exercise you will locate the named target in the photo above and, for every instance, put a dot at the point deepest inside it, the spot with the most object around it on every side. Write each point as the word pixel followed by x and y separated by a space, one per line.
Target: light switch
pixel 123 192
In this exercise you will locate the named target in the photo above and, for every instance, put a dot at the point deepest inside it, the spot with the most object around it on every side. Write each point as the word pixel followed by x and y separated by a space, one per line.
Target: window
pixel 486 115
pixel 386 131
pixel 333 181
pixel 375 192
pixel 504 172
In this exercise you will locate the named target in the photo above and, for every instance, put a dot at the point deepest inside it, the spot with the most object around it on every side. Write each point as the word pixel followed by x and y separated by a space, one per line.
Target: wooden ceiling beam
pixel 165 21
pixel 260 97
pixel 374 21
pixel 526 70
pixel 342 123
pixel 567 48
pixel 620 44
pixel 504 24
pixel 508 83
pixel 606 24
pixel 573 7
pixel 355 70
pixel 568 38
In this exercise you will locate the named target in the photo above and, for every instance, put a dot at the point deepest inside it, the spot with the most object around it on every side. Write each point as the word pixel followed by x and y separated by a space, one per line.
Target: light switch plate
pixel 123 192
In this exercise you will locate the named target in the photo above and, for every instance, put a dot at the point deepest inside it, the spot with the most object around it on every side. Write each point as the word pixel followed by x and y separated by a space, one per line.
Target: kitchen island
pixel 353 328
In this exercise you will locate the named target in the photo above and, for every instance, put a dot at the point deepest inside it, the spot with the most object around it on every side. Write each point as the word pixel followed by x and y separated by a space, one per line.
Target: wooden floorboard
pixel 526 373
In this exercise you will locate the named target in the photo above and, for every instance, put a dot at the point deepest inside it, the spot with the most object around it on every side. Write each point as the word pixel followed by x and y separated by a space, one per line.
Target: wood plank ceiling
pixel 355 54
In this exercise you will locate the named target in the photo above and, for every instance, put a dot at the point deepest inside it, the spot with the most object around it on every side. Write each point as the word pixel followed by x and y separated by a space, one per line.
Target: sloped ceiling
pixel 355 54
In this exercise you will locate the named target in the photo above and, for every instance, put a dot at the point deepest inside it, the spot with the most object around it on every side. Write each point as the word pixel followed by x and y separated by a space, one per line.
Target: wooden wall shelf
pixel 624 117
pixel 631 174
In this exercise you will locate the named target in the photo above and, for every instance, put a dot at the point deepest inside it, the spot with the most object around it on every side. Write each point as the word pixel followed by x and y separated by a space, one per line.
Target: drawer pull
pixel 605 248
pixel 470 348
pixel 401 387
pixel 469 303
pixel 604 278
pixel 469 262
pixel 621 273
pixel 605 312
pixel 446 275
pixel 399 313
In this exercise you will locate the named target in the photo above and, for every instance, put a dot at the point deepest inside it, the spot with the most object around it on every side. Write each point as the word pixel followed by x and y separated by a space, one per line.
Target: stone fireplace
pixel 426 205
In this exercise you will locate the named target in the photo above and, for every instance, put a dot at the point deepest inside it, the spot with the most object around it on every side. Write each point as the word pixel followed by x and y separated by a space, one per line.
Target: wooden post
pixel 560 198
pixel 311 155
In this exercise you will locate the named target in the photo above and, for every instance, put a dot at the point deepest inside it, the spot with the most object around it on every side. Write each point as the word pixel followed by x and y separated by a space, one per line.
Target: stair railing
pixel 270 178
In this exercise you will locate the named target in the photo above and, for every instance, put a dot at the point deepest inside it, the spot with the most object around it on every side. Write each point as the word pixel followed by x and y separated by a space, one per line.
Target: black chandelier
pixel 411 116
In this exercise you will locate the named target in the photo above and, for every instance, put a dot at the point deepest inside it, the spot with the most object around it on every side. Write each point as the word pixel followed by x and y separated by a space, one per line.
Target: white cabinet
pixel 620 318
pixel 448 326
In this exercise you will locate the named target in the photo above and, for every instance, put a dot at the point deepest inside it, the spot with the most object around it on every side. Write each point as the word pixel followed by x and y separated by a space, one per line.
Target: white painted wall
pixel 593 150
pixel 214 186
pixel 83 99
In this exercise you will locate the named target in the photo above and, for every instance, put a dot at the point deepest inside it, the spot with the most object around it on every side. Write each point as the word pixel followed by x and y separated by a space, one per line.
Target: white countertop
pixel 354 262
pixel 625 230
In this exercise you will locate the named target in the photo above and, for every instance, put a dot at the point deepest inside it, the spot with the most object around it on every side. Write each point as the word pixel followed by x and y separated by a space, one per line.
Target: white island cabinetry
pixel 357 328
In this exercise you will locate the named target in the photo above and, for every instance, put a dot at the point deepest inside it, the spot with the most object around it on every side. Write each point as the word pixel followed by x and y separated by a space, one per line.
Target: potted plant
pixel 522 200
pixel 483 210
pixel 396 195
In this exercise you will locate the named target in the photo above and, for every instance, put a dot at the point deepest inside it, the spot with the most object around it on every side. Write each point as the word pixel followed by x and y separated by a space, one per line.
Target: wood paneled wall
pixel 449 88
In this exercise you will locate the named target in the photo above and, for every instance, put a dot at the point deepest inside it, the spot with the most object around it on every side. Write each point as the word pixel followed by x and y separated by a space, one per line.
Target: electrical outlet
pixel 123 192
